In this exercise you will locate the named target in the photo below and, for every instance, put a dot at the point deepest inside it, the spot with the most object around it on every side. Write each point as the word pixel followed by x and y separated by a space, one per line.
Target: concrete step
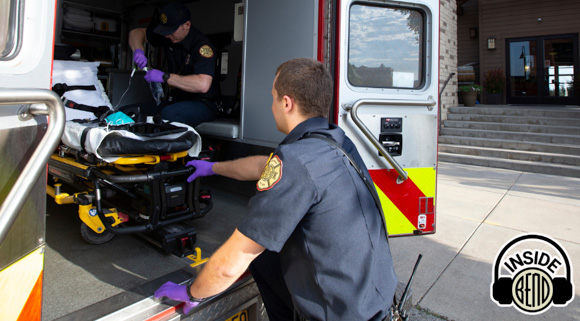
pixel 525 128
pixel 511 144
pixel 552 158
pixel 527 111
pixel 518 136
pixel 519 165
pixel 545 121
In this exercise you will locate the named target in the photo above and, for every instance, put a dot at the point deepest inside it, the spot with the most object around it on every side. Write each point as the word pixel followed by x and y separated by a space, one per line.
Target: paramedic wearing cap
pixel 313 229
pixel 191 64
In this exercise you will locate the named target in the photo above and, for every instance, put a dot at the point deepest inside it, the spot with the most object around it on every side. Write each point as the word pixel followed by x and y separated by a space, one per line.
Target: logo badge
pixel 206 51
pixel 271 174
pixel 93 212
pixel 163 18
pixel 538 277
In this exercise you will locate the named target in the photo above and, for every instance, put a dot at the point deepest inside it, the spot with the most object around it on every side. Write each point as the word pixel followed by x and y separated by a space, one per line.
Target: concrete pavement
pixel 479 209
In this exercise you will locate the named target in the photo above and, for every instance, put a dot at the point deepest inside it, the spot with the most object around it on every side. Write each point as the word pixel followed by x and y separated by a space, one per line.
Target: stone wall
pixel 448 55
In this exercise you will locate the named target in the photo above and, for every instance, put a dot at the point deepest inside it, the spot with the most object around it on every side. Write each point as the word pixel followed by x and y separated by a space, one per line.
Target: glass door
pixel 559 67
pixel 541 70
pixel 523 78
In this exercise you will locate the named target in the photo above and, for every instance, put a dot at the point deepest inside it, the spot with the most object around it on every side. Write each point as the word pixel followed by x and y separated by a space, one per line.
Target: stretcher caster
pixel 93 237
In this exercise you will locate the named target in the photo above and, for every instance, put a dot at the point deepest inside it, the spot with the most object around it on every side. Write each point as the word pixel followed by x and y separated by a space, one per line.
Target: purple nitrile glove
pixel 178 293
pixel 154 75
pixel 139 58
pixel 202 168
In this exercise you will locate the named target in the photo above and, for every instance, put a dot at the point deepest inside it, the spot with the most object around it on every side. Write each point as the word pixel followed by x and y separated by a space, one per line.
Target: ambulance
pixel 384 59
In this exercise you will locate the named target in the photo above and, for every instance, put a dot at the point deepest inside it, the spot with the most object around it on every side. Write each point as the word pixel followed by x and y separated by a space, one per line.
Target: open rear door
pixel 387 102
pixel 27 140
pixel 275 31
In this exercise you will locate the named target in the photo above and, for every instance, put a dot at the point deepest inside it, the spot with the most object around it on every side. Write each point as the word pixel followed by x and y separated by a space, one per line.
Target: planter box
pixel 493 99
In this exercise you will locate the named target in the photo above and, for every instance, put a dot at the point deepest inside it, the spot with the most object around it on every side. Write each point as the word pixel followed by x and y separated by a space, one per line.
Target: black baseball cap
pixel 171 16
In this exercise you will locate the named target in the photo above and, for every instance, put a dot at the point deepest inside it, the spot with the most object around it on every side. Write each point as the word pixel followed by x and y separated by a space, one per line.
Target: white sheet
pixel 80 73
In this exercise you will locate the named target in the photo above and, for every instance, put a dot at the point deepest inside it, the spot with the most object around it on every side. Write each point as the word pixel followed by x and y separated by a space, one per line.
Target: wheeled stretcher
pixel 131 178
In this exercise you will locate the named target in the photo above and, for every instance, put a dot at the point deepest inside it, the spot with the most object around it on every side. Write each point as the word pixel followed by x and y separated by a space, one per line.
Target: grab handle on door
pixel 46 103
pixel 354 114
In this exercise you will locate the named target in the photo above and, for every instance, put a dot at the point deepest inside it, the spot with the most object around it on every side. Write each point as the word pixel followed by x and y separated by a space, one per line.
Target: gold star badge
pixel 271 174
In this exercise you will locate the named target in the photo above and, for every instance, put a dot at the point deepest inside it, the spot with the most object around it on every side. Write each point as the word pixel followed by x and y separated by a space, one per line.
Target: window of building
pixel 386 47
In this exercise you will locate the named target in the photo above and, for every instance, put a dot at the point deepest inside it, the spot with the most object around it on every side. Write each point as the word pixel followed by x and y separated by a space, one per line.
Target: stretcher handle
pixel 36 102
pixel 384 102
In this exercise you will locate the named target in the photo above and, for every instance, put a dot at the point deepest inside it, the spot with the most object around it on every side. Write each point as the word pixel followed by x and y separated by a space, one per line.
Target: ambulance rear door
pixel 275 31
pixel 387 99
pixel 27 139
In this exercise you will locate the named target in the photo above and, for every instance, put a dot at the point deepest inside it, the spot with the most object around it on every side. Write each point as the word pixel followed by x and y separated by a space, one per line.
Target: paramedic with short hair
pixel 312 235
pixel 191 65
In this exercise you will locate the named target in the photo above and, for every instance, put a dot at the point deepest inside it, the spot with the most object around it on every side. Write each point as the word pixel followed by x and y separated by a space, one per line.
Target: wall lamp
pixel 490 43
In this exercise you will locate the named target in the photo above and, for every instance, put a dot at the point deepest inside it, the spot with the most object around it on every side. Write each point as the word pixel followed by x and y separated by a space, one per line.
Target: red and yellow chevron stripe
pixel 21 288
pixel 409 207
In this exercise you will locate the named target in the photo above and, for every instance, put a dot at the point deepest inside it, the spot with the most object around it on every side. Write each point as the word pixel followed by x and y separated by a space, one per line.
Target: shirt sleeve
pixel 280 203
pixel 205 63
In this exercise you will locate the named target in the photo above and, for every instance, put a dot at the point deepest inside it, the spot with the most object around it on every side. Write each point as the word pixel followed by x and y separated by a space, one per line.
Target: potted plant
pixel 493 83
pixel 469 94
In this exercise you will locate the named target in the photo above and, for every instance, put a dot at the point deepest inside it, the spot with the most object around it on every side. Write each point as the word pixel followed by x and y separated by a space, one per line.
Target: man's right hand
pixel 202 169
pixel 139 58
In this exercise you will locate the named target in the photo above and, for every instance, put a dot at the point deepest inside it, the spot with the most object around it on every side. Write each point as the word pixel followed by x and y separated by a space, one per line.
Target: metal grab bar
pixel 354 114
pixel 52 106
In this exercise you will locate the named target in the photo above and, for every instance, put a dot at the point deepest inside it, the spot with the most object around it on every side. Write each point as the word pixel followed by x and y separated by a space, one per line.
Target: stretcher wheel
pixel 93 237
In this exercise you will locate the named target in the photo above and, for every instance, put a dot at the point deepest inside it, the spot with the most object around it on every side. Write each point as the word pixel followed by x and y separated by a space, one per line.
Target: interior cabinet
pixel 94 31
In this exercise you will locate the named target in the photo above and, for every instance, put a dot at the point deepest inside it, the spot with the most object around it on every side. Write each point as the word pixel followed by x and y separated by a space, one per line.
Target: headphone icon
pixel 502 287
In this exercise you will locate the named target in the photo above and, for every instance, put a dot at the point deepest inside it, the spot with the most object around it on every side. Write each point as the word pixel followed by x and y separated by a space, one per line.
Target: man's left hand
pixel 154 75
pixel 178 293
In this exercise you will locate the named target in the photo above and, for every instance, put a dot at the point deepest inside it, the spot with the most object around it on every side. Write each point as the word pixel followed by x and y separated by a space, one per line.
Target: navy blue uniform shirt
pixel 193 55
pixel 315 210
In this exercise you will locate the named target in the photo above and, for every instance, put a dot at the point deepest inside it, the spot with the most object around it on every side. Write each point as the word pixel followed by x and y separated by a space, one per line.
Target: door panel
pixel 26 47
pixel 388 78
pixel 272 37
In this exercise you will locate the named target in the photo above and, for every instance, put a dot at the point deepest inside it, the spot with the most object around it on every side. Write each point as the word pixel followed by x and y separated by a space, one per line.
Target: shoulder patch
pixel 271 174
pixel 206 51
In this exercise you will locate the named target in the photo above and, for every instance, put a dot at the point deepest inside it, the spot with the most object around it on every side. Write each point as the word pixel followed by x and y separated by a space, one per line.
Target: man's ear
pixel 289 104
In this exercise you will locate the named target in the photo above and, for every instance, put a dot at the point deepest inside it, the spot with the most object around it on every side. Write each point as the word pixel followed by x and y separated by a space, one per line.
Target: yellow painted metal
pixel 93 221
pixel 17 282
pixel 196 258
pixel 69 161
pixel 62 198
pixel 424 179
pixel 397 222
pixel 147 159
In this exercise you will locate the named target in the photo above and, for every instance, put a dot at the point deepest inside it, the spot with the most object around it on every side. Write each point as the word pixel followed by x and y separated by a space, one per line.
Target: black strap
pixel 84 138
pixel 97 111
pixel 358 170
pixel 61 88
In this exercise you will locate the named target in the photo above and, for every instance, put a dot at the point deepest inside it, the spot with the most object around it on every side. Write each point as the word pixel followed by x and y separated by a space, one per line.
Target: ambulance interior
pixel 96 31
pixel 81 280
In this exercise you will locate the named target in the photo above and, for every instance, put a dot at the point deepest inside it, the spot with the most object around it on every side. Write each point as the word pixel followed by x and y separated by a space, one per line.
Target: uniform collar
pixel 314 125
pixel 188 41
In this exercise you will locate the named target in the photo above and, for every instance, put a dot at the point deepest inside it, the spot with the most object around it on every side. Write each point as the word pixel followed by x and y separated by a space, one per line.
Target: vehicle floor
pixel 85 281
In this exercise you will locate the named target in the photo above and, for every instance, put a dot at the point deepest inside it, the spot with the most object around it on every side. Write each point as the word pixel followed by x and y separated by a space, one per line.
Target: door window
pixel 386 47
pixel 523 78
pixel 9 15
pixel 559 67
